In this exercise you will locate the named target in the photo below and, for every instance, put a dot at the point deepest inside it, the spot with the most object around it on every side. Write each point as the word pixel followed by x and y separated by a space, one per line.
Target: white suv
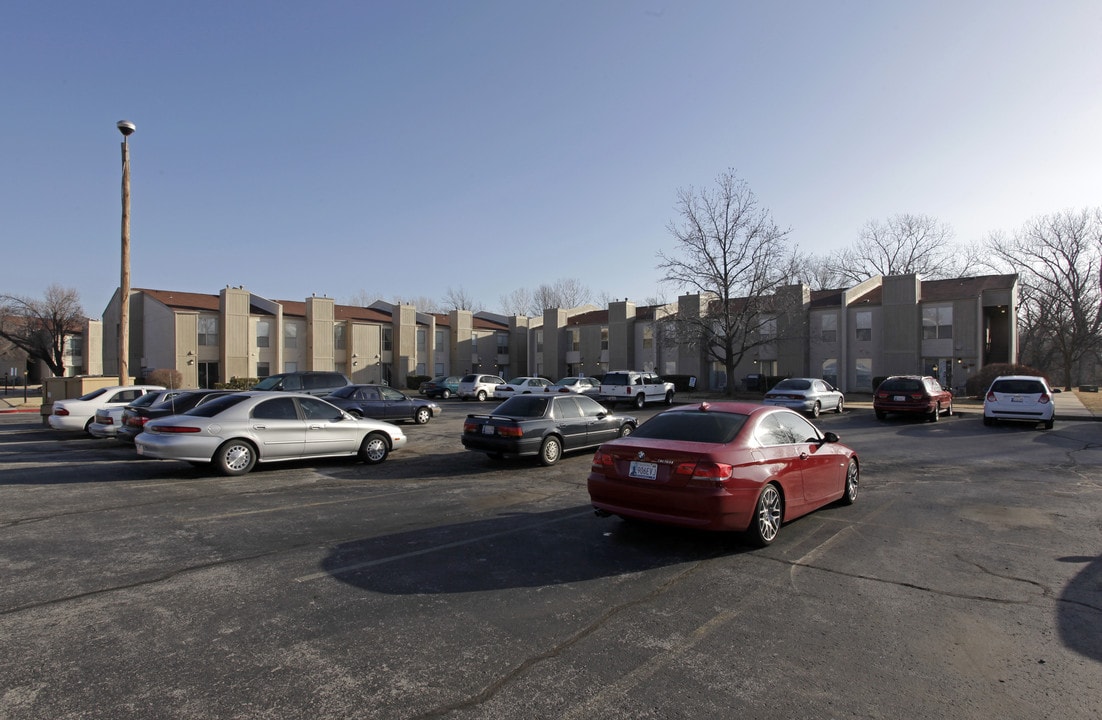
pixel 637 388
pixel 478 386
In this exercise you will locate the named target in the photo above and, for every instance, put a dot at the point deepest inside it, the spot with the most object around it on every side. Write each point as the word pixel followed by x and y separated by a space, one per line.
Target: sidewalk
pixel 13 402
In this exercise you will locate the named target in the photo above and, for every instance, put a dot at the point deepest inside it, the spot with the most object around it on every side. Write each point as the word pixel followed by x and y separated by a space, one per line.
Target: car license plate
pixel 487 429
pixel 899 398
pixel 643 470
pixel 1015 399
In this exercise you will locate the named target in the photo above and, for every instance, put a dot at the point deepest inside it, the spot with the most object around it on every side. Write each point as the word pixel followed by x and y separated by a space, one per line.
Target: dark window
pixel 315 409
pixel 215 406
pixel 566 408
pixel 692 426
pixel 523 406
pixel 276 409
pixel 1018 387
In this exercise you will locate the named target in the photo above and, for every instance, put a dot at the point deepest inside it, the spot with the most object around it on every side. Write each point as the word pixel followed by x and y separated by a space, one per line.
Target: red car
pixel 723 466
pixel 912 395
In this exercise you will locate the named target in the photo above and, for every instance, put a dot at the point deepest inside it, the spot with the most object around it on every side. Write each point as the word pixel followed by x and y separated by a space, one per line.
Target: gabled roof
pixel 183 300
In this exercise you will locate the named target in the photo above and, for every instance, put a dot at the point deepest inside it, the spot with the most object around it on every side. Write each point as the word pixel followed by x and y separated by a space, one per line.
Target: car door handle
pixel 803 456
pixel 260 427
pixel 316 427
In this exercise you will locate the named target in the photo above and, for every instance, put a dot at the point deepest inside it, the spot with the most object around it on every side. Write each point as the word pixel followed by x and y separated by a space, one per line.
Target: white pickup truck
pixel 637 388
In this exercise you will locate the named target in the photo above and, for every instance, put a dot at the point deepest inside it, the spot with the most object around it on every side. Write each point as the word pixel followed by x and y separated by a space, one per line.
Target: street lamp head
pixel 126 127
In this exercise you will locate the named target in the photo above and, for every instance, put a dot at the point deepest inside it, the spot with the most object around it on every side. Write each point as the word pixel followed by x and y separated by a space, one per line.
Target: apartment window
pixel 208 331
pixel 388 338
pixel 421 368
pixel 422 340
pixel 604 338
pixel 769 329
pixel 340 342
pixel 290 367
pixel 290 336
pixel 575 339
pixel 539 341
pixel 502 344
pixel 830 371
pixel 937 323
pixel 864 325
pixel 439 341
pixel 262 370
pixel 438 369
pixel 263 332
pixel 863 371
pixel 828 328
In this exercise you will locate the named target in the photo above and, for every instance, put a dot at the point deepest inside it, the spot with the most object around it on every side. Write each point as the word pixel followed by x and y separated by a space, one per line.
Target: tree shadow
pixel 1079 613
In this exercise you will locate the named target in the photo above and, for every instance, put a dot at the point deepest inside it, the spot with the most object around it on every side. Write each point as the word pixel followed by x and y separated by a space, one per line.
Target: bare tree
pixel 1057 258
pixel 903 244
pixel 460 299
pixel 518 302
pixel 422 303
pixel 732 252
pixel 361 299
pixel 40 327
pixel 818 272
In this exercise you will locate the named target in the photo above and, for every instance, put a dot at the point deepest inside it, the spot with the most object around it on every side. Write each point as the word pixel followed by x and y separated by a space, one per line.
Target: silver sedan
pixel 234 432
pixel 808 395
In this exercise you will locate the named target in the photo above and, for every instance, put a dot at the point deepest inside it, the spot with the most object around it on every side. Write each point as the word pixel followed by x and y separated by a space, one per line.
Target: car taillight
pixel 61 411
pixel 1044 398
pixel 703 473
pixel 512 431
pixel 107 420
pixel 992 397
pixel 470 427
pixel 175 429
pixel 602 461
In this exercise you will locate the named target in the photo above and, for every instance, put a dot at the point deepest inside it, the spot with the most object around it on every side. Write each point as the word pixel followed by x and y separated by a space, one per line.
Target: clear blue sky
pixel 402 148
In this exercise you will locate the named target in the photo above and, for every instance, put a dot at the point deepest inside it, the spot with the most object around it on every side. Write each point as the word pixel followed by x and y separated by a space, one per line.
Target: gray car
pixel 806 395
pixel 234 432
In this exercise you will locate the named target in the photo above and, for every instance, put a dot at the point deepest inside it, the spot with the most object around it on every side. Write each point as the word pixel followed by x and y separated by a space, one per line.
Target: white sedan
pixel 78 414
pixel 577 384
pixel 108 420
pixel 521 386
pixel 234 432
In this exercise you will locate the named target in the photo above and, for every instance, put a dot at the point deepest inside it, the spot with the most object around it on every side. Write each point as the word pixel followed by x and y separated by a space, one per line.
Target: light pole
pixel 126 128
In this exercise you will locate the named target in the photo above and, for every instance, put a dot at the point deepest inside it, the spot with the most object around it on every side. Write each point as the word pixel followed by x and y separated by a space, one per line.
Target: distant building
pixel 850 336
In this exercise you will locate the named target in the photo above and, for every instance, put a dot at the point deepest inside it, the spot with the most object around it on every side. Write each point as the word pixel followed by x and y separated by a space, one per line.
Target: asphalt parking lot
pixel 966 581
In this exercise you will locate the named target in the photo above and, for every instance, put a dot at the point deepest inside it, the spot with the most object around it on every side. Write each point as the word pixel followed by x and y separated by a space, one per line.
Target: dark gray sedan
pixel 382 402
pixel 545 425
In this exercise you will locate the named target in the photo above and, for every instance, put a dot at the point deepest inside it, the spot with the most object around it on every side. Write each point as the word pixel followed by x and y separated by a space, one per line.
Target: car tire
pixel 625 430
pixel 640 401
pixel 840 407
pixel 495 456
pixel 669 397
pixel 816 409
pixel 935 415
pixel 1048 424
pixel 234 457
pixel 768 514
pixel 422 415
pixel 88 426
pixel 949 410
pixel 550 450
pixel 481 396
pixel 374 449
pixel 988 421
pixel 445 394
pixel 853 483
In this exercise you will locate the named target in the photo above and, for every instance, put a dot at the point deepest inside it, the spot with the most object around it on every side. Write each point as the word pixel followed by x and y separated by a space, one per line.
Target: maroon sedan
pixel 912 395
pixel 723 466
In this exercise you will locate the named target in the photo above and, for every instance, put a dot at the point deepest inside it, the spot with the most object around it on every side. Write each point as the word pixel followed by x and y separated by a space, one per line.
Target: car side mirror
pixel 602 415
pixel 830 437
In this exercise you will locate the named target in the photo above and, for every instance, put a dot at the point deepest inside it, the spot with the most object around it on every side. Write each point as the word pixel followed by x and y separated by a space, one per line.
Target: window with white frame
pixel 290 367
pixel 388 338
pixel 208 330
pixel 502 343
pixel 262 370
pixel 290 335
pixel 340 342
pixel 575 339
pixel 422 341
pixel 863 325
pixel 604 338
pixel 828 328
pixel 863 373
pixel 768 329
pixel 648 337
pixel 439 341
pixel 263 334
pixel 539 341
pixel 937 323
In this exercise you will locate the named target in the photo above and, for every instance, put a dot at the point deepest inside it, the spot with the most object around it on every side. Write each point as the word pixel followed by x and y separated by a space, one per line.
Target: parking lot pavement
pixel 965 582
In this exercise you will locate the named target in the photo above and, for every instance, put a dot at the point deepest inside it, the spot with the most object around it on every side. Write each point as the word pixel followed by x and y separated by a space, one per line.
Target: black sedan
pixel 382 402
pixel 545 425
pixel 135 417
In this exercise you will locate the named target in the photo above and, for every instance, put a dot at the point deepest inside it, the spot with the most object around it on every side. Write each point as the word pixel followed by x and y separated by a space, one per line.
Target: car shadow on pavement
pixel 1079 613
pixel 518 550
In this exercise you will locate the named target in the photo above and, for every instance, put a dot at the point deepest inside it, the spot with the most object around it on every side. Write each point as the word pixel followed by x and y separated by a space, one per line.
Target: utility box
pixel 65 388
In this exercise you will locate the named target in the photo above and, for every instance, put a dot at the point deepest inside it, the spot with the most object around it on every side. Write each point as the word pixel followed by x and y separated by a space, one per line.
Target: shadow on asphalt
pixel 1079 614
pixel 520 550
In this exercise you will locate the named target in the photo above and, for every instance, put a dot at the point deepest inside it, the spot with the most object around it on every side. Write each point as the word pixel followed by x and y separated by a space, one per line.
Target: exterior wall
pixel 235 333
pixel 404 360
pixel 556 343
pixel 621 336
pixel 320 314
pixel 899 326
pixel 185 327
pixel 158 341
pixel 462 347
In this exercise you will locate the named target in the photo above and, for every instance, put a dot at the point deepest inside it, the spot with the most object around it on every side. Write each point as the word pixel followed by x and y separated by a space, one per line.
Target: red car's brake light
pixel 991 397
pixel 176 429
pixel 708 474
pixel 470 427
pixel 602 461
pixel 61 411
pixel 1044 398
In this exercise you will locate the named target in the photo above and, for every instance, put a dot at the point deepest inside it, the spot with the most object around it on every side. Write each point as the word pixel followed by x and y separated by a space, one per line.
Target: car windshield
pixel 793 384
pixel 523 406
pixel 1018 387
pixel 215 406
pixel 692 426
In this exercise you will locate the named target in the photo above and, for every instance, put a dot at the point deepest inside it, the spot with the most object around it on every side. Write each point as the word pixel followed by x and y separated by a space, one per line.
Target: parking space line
pixel 297 506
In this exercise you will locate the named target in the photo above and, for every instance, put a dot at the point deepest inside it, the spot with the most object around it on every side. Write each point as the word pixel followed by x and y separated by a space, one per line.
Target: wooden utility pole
pixel 126 128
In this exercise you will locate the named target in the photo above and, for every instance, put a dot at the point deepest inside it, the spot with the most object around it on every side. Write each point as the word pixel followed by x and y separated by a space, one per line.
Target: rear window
pixel 616 379
pixel 469 378
pixel 902 385
pixel 92 395
pixel 323 380
pixel 692 426
pixel 793 384
pixel 1018 387
pixel 527 406
pixel 215 406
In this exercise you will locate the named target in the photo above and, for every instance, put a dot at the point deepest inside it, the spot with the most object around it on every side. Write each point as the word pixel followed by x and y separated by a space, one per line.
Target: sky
pixel 404 149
